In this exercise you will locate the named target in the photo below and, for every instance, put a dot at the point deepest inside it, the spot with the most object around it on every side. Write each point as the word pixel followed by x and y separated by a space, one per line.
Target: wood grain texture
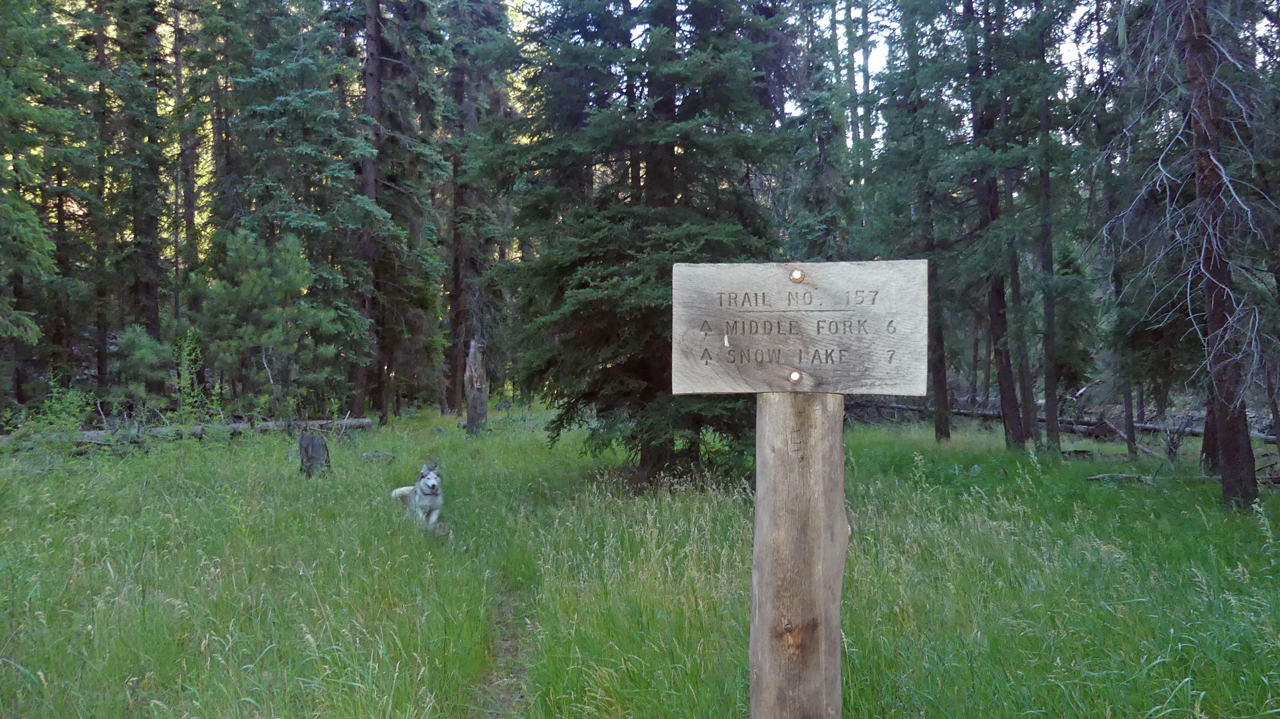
pixel 801 536
pixel 847 328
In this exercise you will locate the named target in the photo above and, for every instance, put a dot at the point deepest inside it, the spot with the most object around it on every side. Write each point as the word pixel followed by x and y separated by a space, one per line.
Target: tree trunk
pixel 20 351
pixel 986 372
pixel 1162 400
pixel 1049 337
pixel 63 360
pixel 477 384
pixel 938 360
pixel 1273 405
pixel 654 457
pixel 973 372
pixel 1235 450
pixel 987 197
pixel 188 152
pixel 146 208
pixel 1209 452
pixel 1010 413
pixel 1130 433
pixel 101 225
pixel 465 268
pixel 1018 336
pixel 365 251
pixel 660 171
pixel 854 121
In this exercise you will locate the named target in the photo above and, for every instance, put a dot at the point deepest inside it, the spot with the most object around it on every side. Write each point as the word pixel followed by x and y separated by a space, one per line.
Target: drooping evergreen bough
pixel 646 122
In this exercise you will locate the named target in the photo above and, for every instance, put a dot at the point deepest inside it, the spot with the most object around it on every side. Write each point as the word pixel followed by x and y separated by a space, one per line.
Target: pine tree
pixel 27 121
pixel 646 123
pixel 478 38
pixel 910 191
pixel 1194 197
pixel 31 117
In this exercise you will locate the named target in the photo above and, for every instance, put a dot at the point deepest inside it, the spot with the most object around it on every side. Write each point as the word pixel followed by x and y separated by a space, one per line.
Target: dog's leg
pixel 432 516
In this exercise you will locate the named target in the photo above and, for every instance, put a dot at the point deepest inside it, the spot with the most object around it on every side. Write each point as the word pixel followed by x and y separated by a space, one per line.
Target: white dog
pixel 424 498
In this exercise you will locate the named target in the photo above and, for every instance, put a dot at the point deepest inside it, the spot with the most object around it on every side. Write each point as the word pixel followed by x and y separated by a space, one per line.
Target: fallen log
pixel 1140 477
pixel 113 436
pixel 1072 426
pixel 1116 431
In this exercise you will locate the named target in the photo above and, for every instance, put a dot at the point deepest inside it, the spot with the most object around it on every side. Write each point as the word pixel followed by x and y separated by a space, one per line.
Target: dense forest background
pixel 310 208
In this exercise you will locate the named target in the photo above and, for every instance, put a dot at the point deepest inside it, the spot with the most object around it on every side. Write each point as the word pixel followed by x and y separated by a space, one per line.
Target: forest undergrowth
pixel 190 579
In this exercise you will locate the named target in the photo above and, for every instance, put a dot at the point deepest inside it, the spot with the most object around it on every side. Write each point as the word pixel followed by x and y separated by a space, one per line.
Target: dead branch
pixel 1140 477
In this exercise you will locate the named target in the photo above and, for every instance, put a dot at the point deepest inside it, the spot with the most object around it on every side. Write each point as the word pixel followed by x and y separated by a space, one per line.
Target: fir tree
pixel 29 119
pixel 645 127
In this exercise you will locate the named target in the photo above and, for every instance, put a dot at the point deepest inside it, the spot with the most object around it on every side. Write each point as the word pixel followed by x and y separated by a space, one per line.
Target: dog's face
pixel 428 480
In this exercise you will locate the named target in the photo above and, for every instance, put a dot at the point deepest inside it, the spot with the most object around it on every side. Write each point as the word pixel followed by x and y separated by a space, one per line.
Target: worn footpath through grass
pixel 211 580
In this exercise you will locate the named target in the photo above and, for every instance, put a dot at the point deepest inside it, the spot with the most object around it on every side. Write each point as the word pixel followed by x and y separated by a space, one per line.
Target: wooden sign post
pixel 800 336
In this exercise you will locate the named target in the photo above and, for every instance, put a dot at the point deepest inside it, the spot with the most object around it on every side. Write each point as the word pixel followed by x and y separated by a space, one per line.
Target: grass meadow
pixel 210 579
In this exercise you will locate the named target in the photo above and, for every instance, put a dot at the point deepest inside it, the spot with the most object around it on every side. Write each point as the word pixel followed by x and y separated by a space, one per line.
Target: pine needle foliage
pixel 646 122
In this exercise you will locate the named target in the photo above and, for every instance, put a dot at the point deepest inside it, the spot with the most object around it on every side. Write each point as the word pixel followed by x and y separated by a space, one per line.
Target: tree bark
pixel 801 538
pixel 1010 413
pixel 1209 443
pixel 477 389
pixel 1273 371
pixel 1272 404
pixel 660 171
pixel 854 121
pixel 101 225
pixel 973 371
pixel 188 151
pixel 1235 450
pixel 987 196
pixel 1130 434
pixel 464 267
pixel 466 86
pixel 146 201
pixel 364 251
pixel 63 359
pixel 986 372
pixel 1045 232
pixel 938 360
pixel 1018 337
pixel 20 351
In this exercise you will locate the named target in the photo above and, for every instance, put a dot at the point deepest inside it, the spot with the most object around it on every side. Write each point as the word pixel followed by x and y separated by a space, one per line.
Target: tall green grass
pixel 215 581
pixel 211 580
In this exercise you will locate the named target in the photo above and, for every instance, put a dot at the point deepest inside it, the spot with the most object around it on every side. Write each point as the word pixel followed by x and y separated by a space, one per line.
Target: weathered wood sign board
pixel 834 327
pixel 799 335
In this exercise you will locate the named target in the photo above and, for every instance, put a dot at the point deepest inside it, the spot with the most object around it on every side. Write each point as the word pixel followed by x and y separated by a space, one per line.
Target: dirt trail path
pixel 501 694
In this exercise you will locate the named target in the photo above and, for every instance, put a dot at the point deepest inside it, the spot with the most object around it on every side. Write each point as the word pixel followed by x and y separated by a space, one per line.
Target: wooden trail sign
pixel 800 336
pixel 843 327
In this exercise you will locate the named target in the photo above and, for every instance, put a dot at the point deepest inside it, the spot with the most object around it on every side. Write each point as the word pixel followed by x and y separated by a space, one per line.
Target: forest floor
pixel 209 579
